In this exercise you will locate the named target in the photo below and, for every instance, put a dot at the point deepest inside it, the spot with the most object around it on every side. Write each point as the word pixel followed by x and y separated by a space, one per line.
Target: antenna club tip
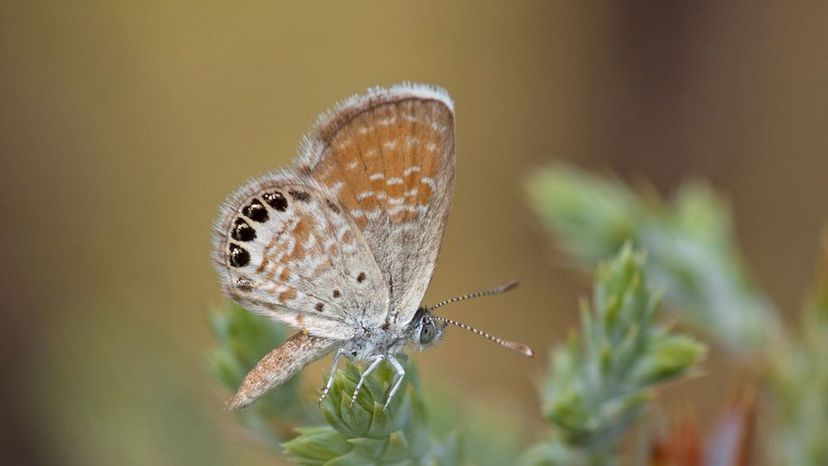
pixel 509 286
pixel 520 348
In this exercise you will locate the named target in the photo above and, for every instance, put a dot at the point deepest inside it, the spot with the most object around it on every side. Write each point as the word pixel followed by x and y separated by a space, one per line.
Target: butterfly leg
pixel 397 381
pixel 339 353
pixel 375 362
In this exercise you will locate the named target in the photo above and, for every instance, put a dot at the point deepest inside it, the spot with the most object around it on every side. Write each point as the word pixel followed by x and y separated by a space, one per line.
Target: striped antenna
pixel 478 294
pixel 514 346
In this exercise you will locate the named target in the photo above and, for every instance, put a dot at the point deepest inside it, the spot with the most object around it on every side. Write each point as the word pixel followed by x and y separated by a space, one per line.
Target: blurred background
pixel 124 125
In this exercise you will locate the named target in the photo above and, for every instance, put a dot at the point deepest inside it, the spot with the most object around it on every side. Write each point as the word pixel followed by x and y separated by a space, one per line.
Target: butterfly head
pixel 426 331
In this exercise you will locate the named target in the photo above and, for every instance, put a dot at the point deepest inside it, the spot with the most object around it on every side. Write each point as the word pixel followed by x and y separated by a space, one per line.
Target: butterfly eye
pixel 427 333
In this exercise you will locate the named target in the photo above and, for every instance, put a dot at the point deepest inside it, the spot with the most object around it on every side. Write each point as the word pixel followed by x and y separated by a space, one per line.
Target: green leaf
pixel 668 356
pixel 320 444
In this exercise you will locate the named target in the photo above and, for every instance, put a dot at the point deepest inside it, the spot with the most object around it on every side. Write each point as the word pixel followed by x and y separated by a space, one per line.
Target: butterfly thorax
pixel 374 341
pixel 389 339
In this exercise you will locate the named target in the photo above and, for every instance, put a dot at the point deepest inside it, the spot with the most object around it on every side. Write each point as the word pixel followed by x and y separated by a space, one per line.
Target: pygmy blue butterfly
pixel 342 244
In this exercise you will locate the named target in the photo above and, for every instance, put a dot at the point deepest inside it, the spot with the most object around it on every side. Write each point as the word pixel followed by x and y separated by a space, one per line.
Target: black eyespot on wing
pixel 239 257
pixel 276 200
pixel 319 307
pixel 361 277
pixel 242 231
pixel 337 293
pixel 299 195
pixel 255 211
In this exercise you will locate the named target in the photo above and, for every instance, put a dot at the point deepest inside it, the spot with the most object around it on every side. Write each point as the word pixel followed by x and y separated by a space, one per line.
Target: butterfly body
pixel 342 244
pixel 392 340
pixel 374 341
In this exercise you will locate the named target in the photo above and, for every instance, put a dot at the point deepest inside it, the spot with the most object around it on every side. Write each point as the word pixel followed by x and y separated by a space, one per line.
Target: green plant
pixel 689 241
pixel 600 382
pixel 365 433
pixel 693 258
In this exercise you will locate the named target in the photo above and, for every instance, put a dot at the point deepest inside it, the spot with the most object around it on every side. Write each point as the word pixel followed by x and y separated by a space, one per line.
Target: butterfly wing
pixel 388 156
pixel 284 247
pixel 279 365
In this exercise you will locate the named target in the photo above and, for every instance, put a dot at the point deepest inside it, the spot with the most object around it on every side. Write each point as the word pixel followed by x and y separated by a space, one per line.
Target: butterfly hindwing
pixel 284 247
pixel 279 365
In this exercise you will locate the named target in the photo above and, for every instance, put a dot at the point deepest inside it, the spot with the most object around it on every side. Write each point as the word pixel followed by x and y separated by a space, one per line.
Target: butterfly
pixel 343 243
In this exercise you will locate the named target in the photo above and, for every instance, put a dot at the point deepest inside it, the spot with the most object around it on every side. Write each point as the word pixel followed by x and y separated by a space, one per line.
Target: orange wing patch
pixel 383 161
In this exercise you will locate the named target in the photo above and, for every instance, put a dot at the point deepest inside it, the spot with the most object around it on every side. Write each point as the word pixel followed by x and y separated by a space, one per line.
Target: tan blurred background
pixel 124 124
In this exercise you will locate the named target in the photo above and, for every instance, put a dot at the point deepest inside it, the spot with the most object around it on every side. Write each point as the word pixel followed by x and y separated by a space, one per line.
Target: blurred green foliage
pixel 689 241
pixel 693 258
pixel 799 380
pixel 601 381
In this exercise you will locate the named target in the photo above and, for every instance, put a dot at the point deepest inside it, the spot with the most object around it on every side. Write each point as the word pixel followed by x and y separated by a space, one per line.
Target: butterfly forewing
pixel 286 248
pixel 388 157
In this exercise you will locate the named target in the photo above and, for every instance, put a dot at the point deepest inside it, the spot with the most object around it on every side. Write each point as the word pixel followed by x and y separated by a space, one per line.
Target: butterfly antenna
pixel 497 290
pixel 514 346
